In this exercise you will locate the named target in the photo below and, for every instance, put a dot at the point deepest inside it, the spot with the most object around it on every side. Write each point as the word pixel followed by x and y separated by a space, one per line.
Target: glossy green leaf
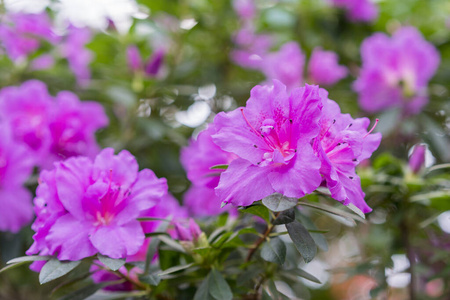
pixel 88 290
pixel 302 240
pixel 113 264
pixel 306 275
pixel 219 167
pixel 175 269
pixel 258 210
pixel 218 287
pixel 285 217
pixel 54 269
pixel 278 202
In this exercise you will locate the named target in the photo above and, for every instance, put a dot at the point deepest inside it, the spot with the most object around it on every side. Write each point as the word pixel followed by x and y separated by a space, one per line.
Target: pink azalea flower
pixel 21 34
pixel 252 48
pixel 323 67
pixel 154 63
pixel 15 167
pixel 358 10
pixel 395 71
pixel 285 65
pixel 197 159
pixel 343 142
pixel 86 207
pixel 78 57
pixel 245 9
pixel 54 129
pixel 134 59
pixel 417 158
pixel 272 138
pixel 188 232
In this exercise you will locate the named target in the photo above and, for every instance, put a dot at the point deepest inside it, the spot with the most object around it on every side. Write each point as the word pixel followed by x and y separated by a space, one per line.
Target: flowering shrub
pixel 211 163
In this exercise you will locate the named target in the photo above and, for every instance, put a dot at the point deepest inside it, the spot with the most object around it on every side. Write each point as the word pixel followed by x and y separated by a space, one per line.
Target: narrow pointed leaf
pixel 175 269
pixel 306 275
pixel 113 264
pixel 278 202
pixel 54 269
pixel 258 210
pixel 218 287
pixel 150 279
pixel 274 251
pixel 88 290
pixel 202 292
pixel 302 240
pixel 219 167
pixel 318 237
pixel 29 258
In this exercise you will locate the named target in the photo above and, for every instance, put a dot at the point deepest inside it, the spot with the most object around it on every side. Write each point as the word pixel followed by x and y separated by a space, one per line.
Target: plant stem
pixel 258 243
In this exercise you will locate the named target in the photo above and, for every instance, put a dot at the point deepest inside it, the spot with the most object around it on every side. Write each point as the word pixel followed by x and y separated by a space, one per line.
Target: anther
pixel 255 146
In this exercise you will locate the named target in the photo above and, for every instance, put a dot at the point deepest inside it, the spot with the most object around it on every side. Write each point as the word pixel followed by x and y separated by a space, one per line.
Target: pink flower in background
pixel 285 65
pixel 22 34
pixel 86 207
pixel 395 71
pixel 187 231
pixel 134 59
pixel 155 63
pixel 323 67
pixel 358 10
pixel 53 128
pixel 417 158
pixel 16 166
pixel 252 47
pixel 43 62
pixel 245 9
pixel 343 142
pixel 197 159
pixel 272 138
pixel 78 57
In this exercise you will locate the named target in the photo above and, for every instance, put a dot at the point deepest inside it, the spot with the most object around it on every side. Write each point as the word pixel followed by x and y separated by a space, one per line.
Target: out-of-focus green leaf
pixel 302 240
pixel 218 287
pixel 219 167
pixel 319 239
pixel 306 275
pixel 88 290
pixel 150 279
pixel 274 251
pixel 175 269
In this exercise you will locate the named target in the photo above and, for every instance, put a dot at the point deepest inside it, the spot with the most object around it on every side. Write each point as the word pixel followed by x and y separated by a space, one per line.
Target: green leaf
pixel 171 243
pixel 318 238
pixel 306 275
pixel 356 210
pixel 218 287
pixel 29 258
pixel 334 211
pixel 54 269
pixel 274 251
pixel 175 269
pixel 220 167
pixel 113 264
pixel 285 217
pixel 273 289
pixel 153 246
pixel 258 210
pixel 302 240
pixel 147 219
pixel 150 279
pixel 202 292
pixel 88 290
pixel 278 202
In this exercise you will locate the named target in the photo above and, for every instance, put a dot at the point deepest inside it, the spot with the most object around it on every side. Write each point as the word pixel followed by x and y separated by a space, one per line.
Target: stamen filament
pixel 373 127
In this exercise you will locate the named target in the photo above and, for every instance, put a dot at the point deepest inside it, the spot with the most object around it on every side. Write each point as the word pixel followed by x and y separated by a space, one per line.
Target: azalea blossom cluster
pixel 395 71
pixel 23 34
pixel 288 63
pixel 85 207
pixel 41 129
pixel 284 142
pixel 358 10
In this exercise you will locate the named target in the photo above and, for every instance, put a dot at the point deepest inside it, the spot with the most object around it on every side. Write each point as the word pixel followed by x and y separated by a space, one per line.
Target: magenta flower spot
pixel 154 63
pixel 86 207
pixel 417 158
pixel 43 62
pixel 15 167
pixel 358 10
pixel 252 48
pixel 188 231
pixel 22 34
pixel 54 129
pixel 343 142
pixel 285 65
pixel 323 68
pixel 272 138
pixel 78 57
pixel 100 275
pixel 395 71
pixel 197 159
pixel 245 9
pixel 134 59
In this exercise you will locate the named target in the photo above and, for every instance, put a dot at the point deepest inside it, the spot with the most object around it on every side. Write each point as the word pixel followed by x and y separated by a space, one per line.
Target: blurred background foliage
pixel 153 117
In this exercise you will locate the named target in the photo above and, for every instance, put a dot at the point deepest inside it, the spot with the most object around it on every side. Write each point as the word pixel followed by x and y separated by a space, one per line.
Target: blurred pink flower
pixel 323 67
pixel 358 10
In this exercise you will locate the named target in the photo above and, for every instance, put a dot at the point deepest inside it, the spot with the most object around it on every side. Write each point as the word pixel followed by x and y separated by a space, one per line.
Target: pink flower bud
pixel 417 158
